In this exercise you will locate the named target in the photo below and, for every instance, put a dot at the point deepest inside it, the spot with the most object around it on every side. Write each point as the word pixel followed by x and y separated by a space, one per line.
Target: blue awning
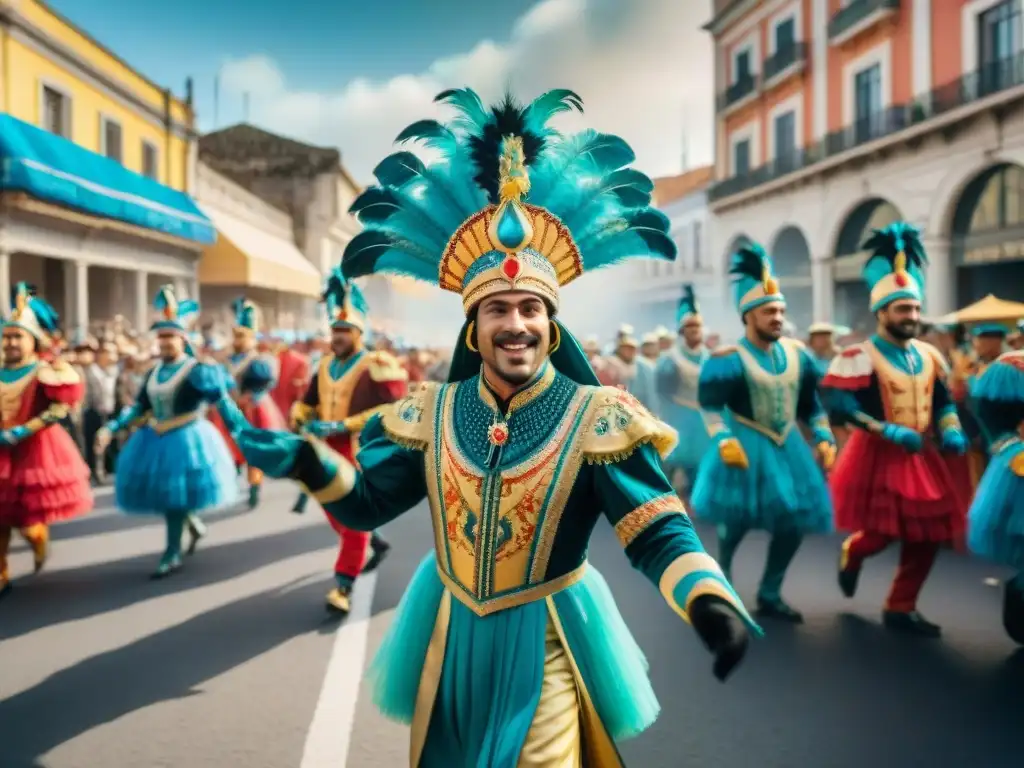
pixel 55 170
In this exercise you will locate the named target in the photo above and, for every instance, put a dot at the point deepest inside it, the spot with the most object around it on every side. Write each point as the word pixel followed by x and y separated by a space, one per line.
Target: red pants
pixel 916 561
pixel 352 553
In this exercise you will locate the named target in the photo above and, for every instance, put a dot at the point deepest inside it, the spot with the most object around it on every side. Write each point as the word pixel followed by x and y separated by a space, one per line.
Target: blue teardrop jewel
pixel 513 230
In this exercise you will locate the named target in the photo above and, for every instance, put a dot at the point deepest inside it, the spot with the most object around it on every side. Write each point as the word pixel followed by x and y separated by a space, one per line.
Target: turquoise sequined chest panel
pixel 773 381
pixel 163 385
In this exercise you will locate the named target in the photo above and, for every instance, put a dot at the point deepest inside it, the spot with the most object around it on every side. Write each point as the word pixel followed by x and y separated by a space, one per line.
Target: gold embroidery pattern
pixel 409 421
pixel 336 394
pixel 907 399
pixel 619 424
pixel 494 533
pixel 10 399
pixel 641 518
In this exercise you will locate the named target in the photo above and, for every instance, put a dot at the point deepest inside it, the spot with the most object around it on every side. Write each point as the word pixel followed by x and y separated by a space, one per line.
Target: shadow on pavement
pixel 77 593
pixel 104 521
pixel 162 667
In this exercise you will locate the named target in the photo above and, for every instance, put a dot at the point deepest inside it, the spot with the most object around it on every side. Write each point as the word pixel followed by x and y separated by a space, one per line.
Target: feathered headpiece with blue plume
pixel 753 278
pixel 174 314
pixel 689 310
pixel 32 313
pixel 511 204
pixel 895 269
pixel 247 315
pixel 998 393
pixel 346 305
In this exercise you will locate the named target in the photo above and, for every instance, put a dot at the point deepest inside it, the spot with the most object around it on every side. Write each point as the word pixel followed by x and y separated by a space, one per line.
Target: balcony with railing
pixel 989 85
pixel 739 93
pixel 786 62
pixel 859 16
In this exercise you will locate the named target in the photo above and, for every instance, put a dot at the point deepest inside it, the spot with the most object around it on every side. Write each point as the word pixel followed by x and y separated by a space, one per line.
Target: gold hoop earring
pixel 469 336
pixel 556 336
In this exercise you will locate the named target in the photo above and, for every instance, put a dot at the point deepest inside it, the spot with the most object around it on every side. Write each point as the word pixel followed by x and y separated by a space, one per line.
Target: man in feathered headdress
pixel 350 386
pixel 676 376
pixel 891 483
pixel 518 454
pixel 43 478
pixel 763 475
pixel 251 374
pixel 176 464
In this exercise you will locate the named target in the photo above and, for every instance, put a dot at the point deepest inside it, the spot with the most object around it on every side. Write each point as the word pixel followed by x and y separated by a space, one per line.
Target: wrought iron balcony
pixel 858 16
pixel 790 58
pixel 739 91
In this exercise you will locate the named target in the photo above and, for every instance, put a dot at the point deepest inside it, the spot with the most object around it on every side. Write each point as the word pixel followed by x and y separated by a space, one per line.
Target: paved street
pixel 232 662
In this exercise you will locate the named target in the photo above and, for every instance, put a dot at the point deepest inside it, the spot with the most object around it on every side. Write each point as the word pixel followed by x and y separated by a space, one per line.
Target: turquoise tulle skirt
pixel 188 469
pixel 782 489
pixel 493 668
pixel 694 440
pixel 996 519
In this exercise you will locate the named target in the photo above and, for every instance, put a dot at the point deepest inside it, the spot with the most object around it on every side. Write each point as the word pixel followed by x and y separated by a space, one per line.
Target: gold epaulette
pixel 729 349
pixel 386 367
pixel 617 424
pixel 57 374
pixel 409 421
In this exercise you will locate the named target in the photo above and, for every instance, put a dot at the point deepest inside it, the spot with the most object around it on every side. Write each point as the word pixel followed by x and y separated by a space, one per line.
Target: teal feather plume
pixel 687 303
pixel 1003 381
pixel 46 315
pixel 749 262
pixel 886 244
pixel 583 180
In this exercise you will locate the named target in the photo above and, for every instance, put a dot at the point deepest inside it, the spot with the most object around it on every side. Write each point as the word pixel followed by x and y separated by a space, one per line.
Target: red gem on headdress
pixel 342 314
pixel 510 267
pixel 901 280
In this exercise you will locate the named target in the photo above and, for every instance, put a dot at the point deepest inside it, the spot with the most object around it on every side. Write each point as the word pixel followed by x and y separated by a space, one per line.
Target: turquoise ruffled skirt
pixel 494 665
pixel 694 440
pixel 188 469
pixel 996 519
pixel 783 489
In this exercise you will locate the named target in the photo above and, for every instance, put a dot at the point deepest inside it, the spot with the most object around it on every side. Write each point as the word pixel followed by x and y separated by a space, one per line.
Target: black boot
pixel 848 576
pixel 378 551
pixel 196 530
pixel 1013 611
pixel 254 496
pixel 300 504
pixel 910 623
pixel 780 610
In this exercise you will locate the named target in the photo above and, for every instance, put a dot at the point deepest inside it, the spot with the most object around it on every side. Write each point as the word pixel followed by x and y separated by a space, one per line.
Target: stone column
pixel 822 289
pixel 181 288
pixel 940 278
pixel 81 314
pixel 141 318
pixel 5 281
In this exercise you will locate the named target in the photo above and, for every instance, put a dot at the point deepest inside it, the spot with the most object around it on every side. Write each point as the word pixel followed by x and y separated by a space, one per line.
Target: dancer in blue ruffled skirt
pixel 177 464
pixel 996 519
pixel 763 474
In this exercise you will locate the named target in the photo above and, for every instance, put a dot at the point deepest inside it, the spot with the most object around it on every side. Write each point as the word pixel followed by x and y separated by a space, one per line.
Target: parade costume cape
pixel 757 397
pixel 512 205
pixel 43 478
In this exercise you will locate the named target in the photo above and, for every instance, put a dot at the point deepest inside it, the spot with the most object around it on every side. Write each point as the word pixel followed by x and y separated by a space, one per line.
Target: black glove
pixel 721 630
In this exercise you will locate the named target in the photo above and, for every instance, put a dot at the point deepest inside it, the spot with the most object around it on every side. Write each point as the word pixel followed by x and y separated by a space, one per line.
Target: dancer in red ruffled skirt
pixel 43 477
pixel 891 483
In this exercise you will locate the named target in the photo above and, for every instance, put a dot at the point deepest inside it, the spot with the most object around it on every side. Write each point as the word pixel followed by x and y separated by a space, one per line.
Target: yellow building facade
pixel 137 169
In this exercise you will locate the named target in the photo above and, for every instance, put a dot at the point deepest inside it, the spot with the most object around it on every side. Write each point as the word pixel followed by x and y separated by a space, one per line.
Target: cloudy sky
pixel 352 74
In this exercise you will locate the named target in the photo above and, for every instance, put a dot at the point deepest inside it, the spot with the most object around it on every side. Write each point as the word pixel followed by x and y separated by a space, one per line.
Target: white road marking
pixel 330 733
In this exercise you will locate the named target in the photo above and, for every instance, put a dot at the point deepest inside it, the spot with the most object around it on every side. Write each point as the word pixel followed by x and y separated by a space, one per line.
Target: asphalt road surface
pixel 233 663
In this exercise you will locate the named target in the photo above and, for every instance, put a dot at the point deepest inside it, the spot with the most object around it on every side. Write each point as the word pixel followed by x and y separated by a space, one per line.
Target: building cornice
pixel 24 31
pixel 732 12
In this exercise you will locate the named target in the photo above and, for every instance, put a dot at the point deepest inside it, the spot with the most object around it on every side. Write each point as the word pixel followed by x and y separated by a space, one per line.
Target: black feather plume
pixel 748 261
pixel 507 119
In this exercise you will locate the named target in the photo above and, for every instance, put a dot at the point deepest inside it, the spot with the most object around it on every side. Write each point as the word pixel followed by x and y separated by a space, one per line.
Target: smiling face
pixel 18 346
pixel 901 318
pixel 170 345
pixel 513 334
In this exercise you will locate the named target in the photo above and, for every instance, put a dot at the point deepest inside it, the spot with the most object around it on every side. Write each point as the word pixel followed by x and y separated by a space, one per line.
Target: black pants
pixel 91 423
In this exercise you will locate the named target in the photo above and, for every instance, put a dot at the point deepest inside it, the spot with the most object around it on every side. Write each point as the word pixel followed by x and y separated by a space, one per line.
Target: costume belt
pixel 163 426
pixel 515 599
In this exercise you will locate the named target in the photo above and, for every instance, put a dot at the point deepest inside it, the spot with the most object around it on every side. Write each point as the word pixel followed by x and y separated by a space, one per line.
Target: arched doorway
pixel 792 257
pixel 988 236
pixel 851 295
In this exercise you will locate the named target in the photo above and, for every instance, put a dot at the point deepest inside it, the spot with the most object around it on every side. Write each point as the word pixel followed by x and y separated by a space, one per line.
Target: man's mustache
pixel 507 337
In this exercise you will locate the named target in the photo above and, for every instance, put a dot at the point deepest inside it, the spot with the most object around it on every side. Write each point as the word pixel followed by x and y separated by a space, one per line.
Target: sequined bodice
pixel 906 378
pixel 498 501
pixel 164 383
pixel 688 365
pixel 773 382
